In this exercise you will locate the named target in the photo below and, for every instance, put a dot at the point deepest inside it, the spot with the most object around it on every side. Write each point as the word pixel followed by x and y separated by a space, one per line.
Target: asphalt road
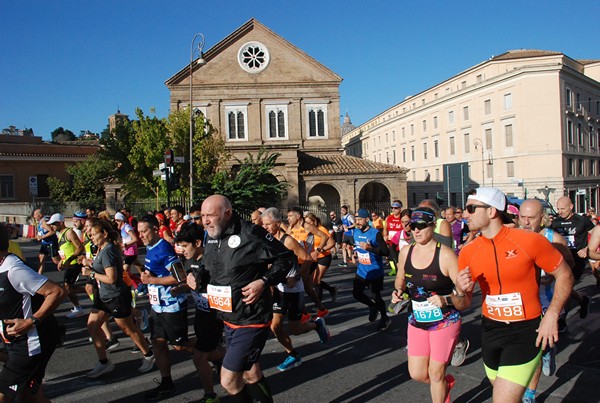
pixel 359 364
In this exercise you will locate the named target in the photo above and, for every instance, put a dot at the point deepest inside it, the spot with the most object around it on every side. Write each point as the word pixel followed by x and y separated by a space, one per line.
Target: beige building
pixel 527 121
pixel 260 91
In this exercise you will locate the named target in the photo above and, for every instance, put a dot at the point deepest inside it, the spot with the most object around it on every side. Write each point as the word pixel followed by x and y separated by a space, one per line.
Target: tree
pixel 252 184
pixel 60 134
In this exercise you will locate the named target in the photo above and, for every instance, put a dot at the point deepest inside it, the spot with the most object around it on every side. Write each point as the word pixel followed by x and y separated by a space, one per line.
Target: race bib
pixel 219 298
pixel 201 301
pixel 425 312
pixel 62 255
pixel 364 258
pixel 505 307
pixel 570 241
pixel 153 296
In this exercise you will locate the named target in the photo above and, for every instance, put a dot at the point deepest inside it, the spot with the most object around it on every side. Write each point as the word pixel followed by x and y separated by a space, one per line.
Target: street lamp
pixel 200 62
pixel 477 142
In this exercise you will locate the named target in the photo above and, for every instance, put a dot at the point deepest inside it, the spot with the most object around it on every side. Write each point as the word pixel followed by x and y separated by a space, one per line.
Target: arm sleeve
pixel 382 247
pixel 24 279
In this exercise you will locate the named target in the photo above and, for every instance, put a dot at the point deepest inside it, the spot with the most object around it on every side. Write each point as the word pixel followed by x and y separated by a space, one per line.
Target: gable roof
pixel 246 28
pixel 525 53
pixel 342 164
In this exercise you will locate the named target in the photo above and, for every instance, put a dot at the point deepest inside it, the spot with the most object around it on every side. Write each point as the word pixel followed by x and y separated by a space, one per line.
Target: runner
pixel 47 237
pixel 237 255
pixel 377 221
pixel 306 235
pixel 111 297
pixel 347 239
pixel 129 242
pixel 334 225
pixel 288 297
pixel 460 230
pixel 426 272
pixel 208 328
pixel 370 247
pixel 163 230
pixel 393 225
pixel 29 331
pixel 168 319
pixel 574 228
pixel 504 262
pixel 69 247
pixel 404 236
pixel 594 252
pixel 322 259
pixel 443 233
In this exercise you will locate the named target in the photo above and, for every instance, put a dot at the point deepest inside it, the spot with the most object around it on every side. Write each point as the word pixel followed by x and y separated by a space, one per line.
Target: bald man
pixel 574 228
pixel 237 256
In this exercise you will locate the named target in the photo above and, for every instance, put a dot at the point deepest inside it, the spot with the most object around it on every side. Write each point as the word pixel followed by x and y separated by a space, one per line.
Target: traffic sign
pixel 157 172
pixel 33 186
pixel 169 157
pixel 179 160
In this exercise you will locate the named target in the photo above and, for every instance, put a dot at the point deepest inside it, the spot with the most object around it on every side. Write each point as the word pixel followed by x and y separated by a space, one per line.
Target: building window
pixel 43 188
pixel 424 125
pixel 507 102
pixel 593 171
pixel 592 138
pixel 568 96
pixel 508 134
pixel 7 187
pixel 404 155
pixel 436 149
pixel 412 152
pixel 579 135
pixel 394 157
pixel 578 97
pixel 571 167
pixel 237 122
pixel 510 169
pixel 277 120
pixel 403 132
pixel 466 113
pixel 467 138
pixel 488 139
pixel 386 139
pixel 569 132
pixel 487 106
pixel 435 122
pixel 580 167
pixel 412 130
pixel 393 136
pixel 424 150
pixel 490 171
pixel 253 57
pixel 437 174
pixel 450 117
pixel 317 120
pixel 452 149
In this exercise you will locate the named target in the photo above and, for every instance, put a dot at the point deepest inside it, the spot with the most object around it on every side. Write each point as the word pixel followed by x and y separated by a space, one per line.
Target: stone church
pixel 260 91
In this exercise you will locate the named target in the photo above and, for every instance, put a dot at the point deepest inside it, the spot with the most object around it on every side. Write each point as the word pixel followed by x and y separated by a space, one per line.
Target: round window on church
pixel 253 57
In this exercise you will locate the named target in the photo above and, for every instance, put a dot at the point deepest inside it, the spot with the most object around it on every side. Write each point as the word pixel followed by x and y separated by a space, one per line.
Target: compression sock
pixel 243 396
pixel 530 393
pixel 260 391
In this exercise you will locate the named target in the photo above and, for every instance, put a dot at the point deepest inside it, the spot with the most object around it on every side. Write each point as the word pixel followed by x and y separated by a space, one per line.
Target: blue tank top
pixel 370 265
pixel 43 231
pixel 348 222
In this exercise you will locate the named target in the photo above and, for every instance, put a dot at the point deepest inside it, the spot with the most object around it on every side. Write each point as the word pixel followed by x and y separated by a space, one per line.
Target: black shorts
pixel 348 239
pixel 50 249
pixel 208 329
pixel 290 303
pixel 170 326
pixel 325 260
pixel 72 272
pixel 22 372
pixel 130 259
pixel 119 307
pixel 338 236
pixel 508 344
pixel 579 267
pixel 244 346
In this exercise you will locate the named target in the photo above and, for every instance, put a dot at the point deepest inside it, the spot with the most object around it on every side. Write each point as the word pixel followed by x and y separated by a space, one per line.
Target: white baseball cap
pixel 490 196
pixel 119 217
pixel 56 218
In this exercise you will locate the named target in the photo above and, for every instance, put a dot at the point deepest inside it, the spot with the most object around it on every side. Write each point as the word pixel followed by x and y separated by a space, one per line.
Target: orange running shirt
pixel 505 268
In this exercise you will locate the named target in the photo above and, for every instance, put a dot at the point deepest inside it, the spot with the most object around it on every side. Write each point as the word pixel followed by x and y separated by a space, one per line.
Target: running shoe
pixel 136 350
pixel 450 381
pixel 76 312
pixel 384 323
pixel 289 363
pixel 142 290
pixel 321 313
pixel 147 364
pixel 460 352
pixel 334 295
pixel 145 325
pixel 112 344
pixel 100 369
pixel 549 361
pixel 392 273
pixel 585 307
pixel 162 391
pixel 305 317
pixel 322 330
pixel 527 399
pixel 343 264
pixel 209 399
pixel 373 313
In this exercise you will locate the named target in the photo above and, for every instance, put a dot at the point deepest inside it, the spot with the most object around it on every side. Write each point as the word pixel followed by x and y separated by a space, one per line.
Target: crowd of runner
pixel 246 279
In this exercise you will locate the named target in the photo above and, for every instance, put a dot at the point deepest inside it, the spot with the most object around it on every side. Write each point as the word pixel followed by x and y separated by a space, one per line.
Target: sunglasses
pixel 419 225
pixel 196 217
pixel 472 207
pixel 395 208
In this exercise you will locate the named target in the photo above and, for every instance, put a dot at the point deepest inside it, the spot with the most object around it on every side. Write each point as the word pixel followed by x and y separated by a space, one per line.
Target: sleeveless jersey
pixel 65 247
pixel 348 221
pixel 422 284
pixel 301 235
pixel 299 287
pixel 43 231
pixel 370 265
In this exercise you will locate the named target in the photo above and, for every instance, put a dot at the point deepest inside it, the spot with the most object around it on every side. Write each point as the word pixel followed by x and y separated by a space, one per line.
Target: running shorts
pixel 209 330
pixel 338 237
pixel 49 249
pixel 325 260
pixel 290 303
pixel 244 346
pixel 435 344
pixel 170 326
pixel 119 307
pixel 72 272
pixel 348 239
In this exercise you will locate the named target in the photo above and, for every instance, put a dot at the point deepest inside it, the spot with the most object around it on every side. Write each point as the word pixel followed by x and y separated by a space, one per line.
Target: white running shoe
pixel 76 312
pixel 100 369
pixel 147 364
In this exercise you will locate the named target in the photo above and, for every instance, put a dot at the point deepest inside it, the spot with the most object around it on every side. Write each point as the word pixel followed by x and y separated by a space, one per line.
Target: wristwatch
pixel 92 275
pixel 35 321
pixel 455 292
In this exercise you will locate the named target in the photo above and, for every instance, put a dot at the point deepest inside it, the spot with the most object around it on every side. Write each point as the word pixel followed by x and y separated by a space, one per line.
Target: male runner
pixel 334 225
pixel 47 237
pixel 505 261
pixel 347 240
pixel 393 225
pixel 236 256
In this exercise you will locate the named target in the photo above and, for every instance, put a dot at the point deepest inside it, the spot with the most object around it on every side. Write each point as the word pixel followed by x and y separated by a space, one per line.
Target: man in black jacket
pixel 237 256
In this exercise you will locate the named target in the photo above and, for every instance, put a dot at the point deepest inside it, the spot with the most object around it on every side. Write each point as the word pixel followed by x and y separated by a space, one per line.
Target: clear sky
pixel 72 63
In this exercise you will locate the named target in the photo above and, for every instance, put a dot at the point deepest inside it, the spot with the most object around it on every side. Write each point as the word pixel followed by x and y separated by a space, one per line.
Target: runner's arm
pixel 594 244
pixel 400 281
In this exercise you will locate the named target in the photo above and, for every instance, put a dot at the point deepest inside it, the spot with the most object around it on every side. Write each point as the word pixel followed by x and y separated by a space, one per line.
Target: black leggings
pixel 376 285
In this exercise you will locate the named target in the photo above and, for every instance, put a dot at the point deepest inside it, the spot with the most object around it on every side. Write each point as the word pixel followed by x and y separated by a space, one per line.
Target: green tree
pixel 252 183
pixel 61 134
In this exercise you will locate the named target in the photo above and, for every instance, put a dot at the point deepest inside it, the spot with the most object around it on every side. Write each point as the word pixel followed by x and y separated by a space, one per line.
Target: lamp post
pixel 477 142
pixel 193 48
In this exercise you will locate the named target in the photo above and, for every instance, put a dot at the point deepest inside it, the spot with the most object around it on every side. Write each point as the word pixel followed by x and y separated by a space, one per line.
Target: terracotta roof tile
pixel 524 53
pixel 342 164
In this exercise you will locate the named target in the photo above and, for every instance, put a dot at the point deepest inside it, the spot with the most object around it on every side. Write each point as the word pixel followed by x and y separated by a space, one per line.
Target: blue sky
pixel 72 63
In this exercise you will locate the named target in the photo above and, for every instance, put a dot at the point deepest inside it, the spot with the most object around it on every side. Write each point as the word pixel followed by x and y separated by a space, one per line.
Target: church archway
pixel 375 196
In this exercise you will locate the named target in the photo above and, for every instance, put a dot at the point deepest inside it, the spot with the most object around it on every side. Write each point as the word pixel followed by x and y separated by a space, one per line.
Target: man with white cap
pixel 69 247
pixel 505 261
